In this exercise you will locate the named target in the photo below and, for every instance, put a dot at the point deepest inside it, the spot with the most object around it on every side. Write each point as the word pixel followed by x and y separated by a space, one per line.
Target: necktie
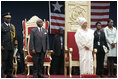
pixel 40 32
pixel 61 42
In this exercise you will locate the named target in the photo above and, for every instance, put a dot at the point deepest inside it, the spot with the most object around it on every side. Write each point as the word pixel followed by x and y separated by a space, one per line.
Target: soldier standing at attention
pixel 8 43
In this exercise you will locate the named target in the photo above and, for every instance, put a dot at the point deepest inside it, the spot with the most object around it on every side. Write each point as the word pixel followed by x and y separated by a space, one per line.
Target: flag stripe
pixel 57 24
pixel 57 27
pixel 100 4
pixel 102 22
pixel 57 14
pixel 57 18
pixel 99 17
pixel 102 13
pixel 100 7
pixel 58 21
pixel 99 10
pixel 105 19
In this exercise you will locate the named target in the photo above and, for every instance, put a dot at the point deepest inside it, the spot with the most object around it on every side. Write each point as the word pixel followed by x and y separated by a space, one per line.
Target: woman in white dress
pixel 84 39
pixel 111 37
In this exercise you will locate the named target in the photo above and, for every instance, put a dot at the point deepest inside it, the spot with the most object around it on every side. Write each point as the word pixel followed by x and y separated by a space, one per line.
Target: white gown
pixel 85 38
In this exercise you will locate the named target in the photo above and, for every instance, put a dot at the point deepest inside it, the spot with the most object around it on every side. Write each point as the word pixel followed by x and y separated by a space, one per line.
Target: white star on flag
pixel 57 6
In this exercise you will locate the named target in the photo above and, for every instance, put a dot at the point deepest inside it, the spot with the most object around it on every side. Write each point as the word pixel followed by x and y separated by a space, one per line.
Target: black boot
pixel 10 76
pixel 35 75
pixel 2 73
pixel 41 76
pixel 112 66
pixel 2 76
pixel 101 75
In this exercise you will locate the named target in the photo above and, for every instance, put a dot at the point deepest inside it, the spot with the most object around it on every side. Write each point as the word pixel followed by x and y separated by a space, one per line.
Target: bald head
pixel 39 22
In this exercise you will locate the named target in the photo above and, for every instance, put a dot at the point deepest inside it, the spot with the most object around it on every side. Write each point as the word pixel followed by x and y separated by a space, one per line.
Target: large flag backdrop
pixel 57 16
pixel 99 12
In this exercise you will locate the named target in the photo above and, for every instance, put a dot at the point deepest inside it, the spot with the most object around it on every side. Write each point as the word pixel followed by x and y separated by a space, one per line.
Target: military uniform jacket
pixel 6 39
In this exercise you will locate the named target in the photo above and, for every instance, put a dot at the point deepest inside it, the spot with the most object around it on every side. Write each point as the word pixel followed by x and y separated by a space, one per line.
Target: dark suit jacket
pixel 57 45
pixel 102 40
pixel 37 42
pixel 6 41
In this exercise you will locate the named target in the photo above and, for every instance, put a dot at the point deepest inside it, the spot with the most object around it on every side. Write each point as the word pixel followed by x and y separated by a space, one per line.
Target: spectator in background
pixel 58 47
pixel 99 41
pixel 111 37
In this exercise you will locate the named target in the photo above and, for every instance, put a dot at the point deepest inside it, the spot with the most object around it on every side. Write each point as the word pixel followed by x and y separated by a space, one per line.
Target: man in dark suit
pixel 7 45
pixel 39 45
pixel 58 47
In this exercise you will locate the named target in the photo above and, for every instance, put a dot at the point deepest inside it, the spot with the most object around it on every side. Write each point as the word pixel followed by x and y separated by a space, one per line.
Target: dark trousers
pixel 110 64
pixel 38 60
pixel 59 65
pixel 7 62
pixel 100 61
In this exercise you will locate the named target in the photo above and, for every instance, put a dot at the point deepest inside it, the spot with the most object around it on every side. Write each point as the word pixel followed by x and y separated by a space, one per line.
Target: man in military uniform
pixel 8 43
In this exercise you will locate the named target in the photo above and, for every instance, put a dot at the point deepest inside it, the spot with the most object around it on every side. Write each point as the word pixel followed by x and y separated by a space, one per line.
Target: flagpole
pixel 50 16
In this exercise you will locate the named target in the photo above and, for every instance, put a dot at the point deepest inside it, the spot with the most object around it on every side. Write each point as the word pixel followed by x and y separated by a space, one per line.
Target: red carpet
pixel 60 76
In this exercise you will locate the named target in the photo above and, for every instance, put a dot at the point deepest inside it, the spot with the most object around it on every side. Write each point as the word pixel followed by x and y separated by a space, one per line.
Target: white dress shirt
pixel 8 24
pixel 39 28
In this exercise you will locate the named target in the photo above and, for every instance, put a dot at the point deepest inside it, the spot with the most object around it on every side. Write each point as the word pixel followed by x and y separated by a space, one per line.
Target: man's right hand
pixel 33 51
pixel 2 48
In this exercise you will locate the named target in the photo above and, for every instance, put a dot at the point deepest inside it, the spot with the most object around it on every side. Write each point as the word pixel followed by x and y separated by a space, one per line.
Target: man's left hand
pixel 86 48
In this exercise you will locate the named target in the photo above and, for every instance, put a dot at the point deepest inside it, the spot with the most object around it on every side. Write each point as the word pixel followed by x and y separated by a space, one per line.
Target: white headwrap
pixel 81 20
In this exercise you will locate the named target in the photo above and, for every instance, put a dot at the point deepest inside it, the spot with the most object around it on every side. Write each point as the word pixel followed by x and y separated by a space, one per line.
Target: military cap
pixel 7 15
